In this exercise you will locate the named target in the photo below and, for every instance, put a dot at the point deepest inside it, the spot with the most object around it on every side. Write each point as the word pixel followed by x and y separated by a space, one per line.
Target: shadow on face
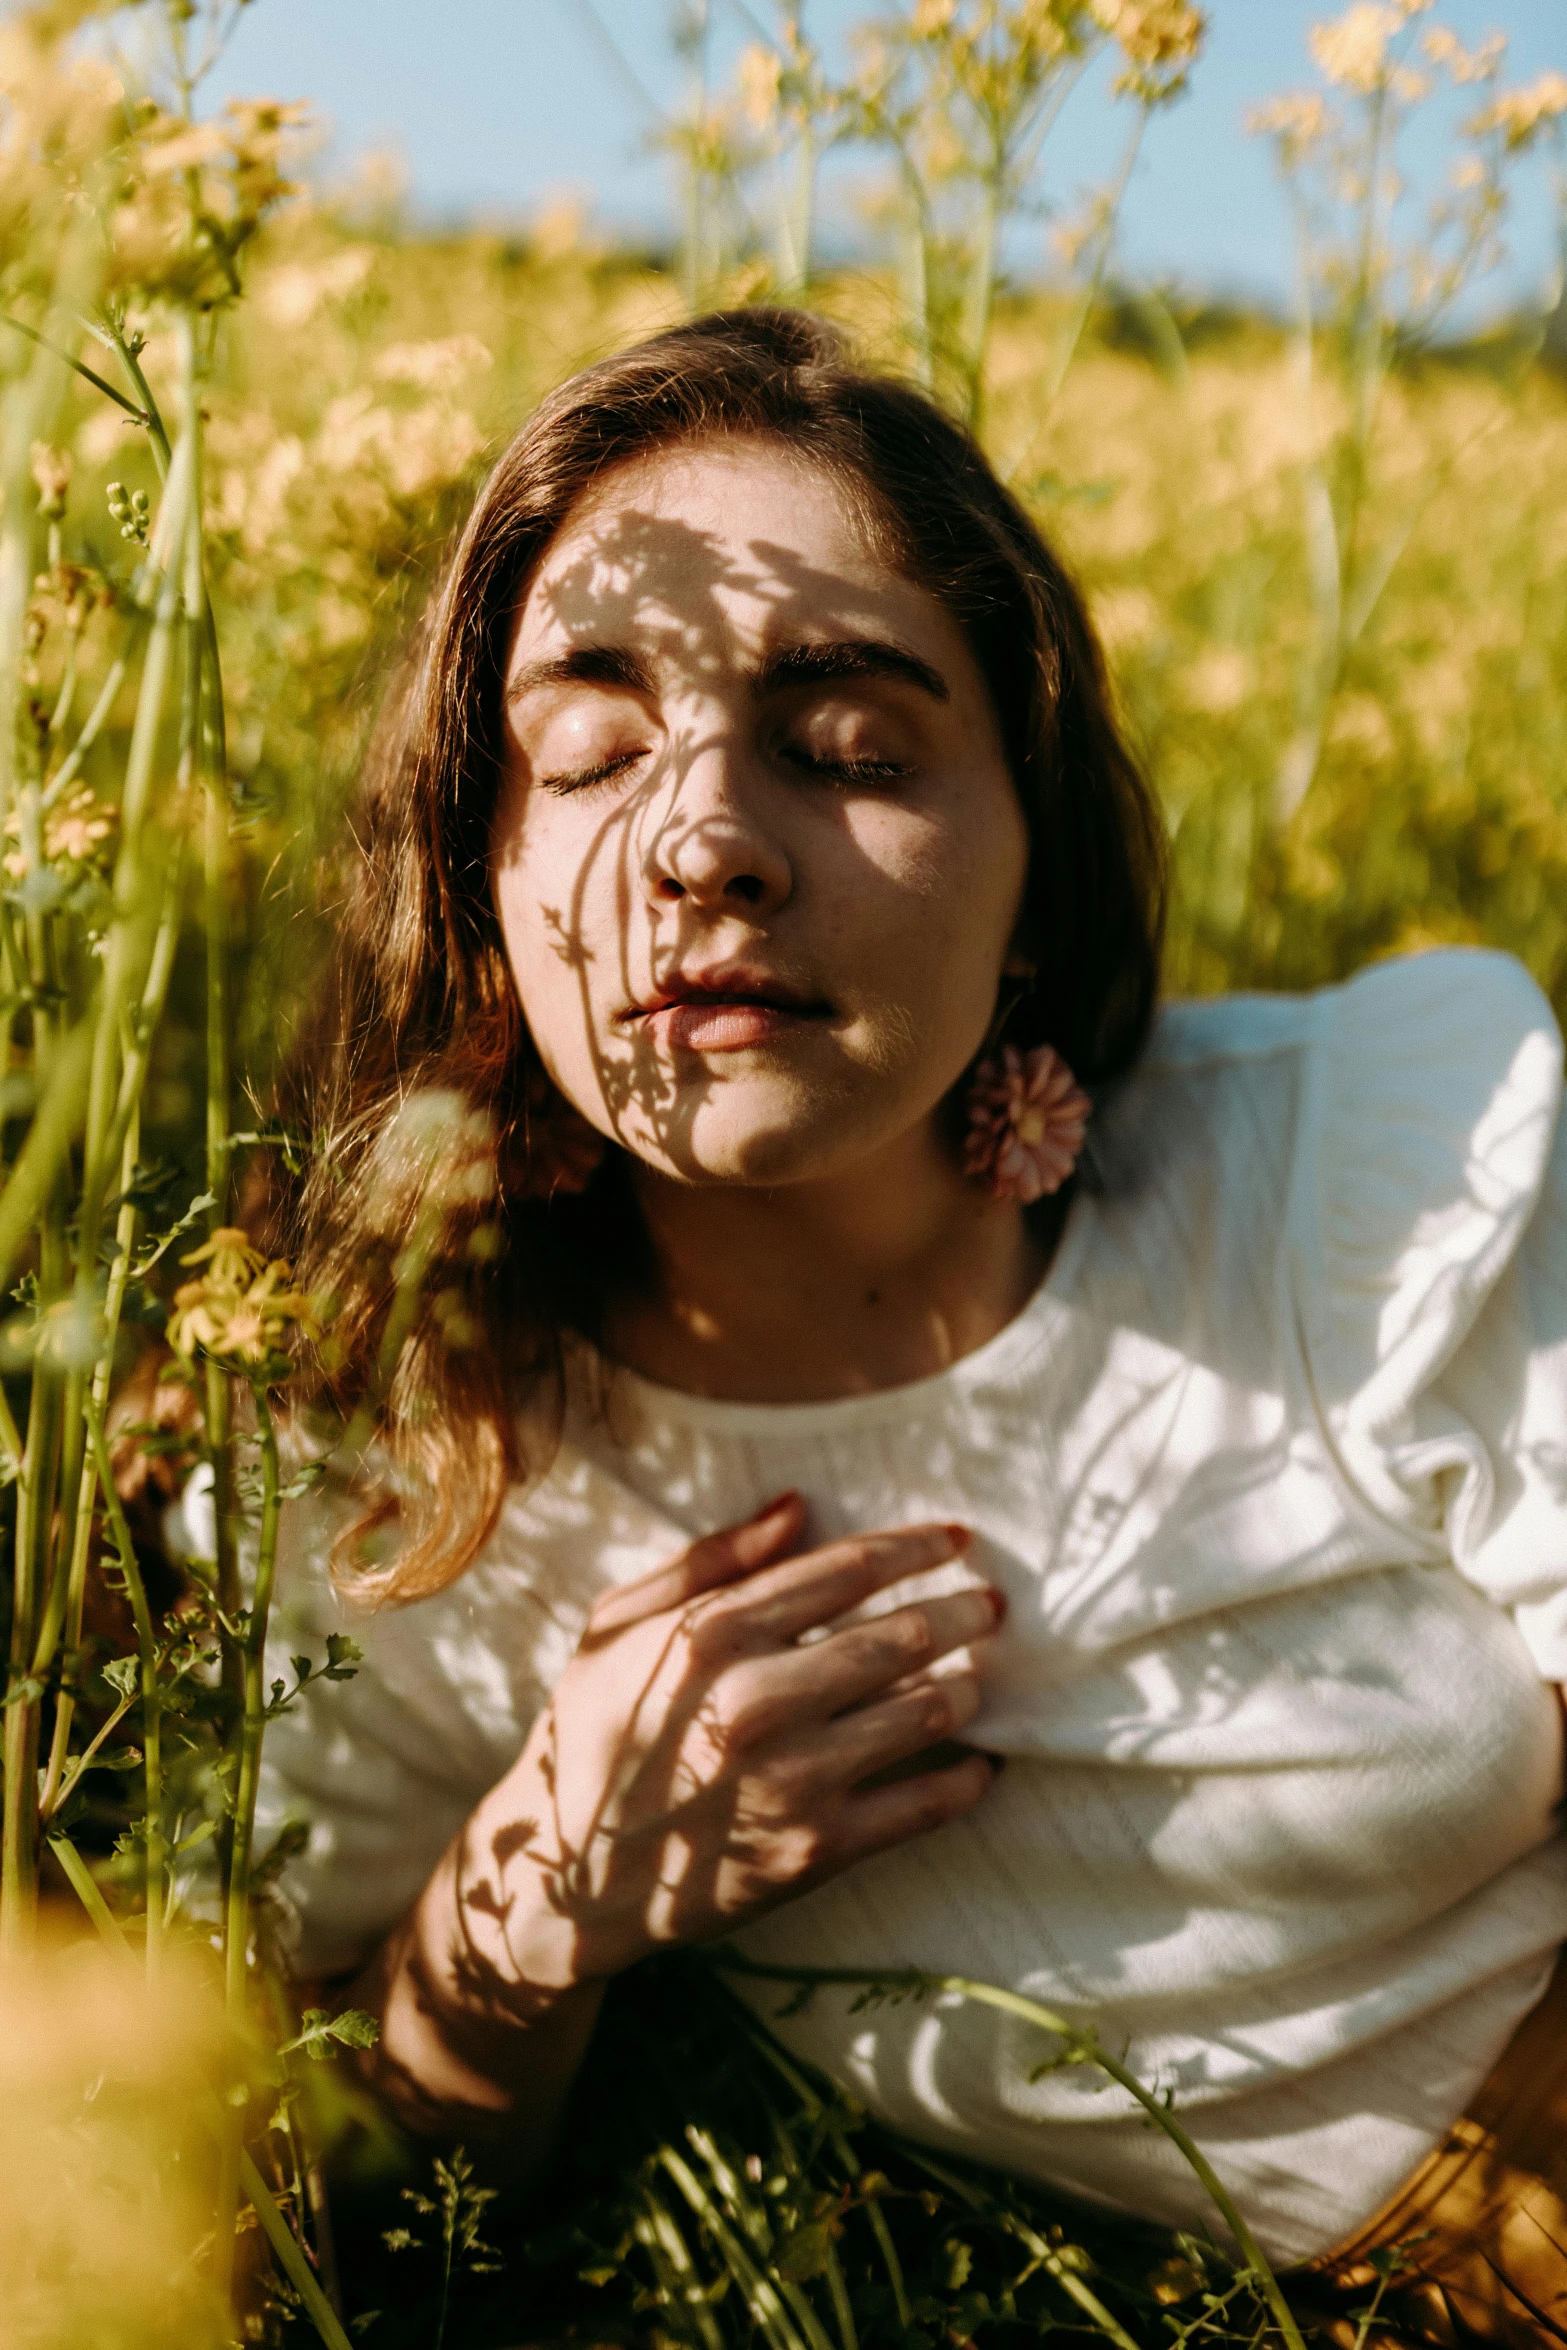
pixel 759 858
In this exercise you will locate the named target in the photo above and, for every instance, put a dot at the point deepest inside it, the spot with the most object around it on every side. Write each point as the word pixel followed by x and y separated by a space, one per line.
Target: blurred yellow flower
pixel 1444 48
pixel 1297 119
pixel 433 366
pixel 1159 39
pixel 759 78
pixel 240 1307
pixel 1520 115
pixel 75 830
pixel 1351 50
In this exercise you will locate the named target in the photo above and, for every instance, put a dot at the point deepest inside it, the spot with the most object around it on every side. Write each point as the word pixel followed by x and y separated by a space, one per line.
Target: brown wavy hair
pixel 431 1207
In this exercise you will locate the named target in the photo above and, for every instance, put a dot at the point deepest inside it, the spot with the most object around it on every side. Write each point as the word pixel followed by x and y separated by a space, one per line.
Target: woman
pixel 746 880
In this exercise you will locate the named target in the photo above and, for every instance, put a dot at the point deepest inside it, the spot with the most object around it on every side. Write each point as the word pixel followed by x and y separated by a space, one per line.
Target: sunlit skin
pixel 759 866
pixel 749 756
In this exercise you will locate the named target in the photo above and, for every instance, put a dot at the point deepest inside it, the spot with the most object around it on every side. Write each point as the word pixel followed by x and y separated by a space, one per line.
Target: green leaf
pixel 304 1480
pixel 351 2029
pixel 123 1674
pixel 806 2253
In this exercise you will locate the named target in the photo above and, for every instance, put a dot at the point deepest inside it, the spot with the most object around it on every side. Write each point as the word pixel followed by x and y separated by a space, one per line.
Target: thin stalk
pixel 291 2258
pixel 49 1802
pixel 217 885
pixel 870 2204
pixel 10 1435
pixel 68 1600
pixel 34 1517
pixel 66 1614
pixel 76 365
pixel 129 923
pixel 151 1695
pixel 92 725
pixel 82 1882
pixel 1042 2254
pixel 766 2307
pixel 236 1924
pixel 675 2270
pixel 43 1155
pixel 1083 2048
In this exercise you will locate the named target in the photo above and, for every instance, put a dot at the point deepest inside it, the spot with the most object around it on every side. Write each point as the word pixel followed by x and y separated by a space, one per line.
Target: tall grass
pixel 236 426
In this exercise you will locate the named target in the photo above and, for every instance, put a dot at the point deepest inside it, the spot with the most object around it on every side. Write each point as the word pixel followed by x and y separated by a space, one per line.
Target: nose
pixel 709 842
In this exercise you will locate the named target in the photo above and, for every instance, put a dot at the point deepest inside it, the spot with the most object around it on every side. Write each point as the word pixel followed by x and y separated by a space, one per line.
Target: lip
pixel 724 1010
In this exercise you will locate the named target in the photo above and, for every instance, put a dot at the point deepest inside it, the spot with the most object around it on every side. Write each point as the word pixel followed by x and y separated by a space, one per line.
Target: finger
pixel 837 1755
pixel 878 1817
pixel 717 1559
pixel 775 1607
pixel 760 1698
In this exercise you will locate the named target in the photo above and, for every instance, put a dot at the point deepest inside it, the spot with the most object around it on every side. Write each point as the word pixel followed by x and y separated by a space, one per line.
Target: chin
pixel 756 1148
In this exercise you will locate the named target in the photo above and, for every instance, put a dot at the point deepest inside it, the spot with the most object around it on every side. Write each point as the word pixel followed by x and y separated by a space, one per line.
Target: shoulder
pixel 1431 1116
pixel 1383 1143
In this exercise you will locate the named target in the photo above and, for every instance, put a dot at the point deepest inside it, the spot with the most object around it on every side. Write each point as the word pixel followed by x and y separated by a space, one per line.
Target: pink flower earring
pixel 1027 1116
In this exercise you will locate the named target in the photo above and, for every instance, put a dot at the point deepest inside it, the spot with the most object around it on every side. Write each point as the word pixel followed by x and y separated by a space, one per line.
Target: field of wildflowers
pixel 237 424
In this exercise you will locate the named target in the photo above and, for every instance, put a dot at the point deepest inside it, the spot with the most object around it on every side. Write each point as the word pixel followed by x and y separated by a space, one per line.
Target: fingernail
pixel 958 1536
pixel 998 1600
pixel 780 1501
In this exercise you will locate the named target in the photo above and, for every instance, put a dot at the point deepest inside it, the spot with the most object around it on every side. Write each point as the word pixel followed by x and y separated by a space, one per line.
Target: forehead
pixel 737 544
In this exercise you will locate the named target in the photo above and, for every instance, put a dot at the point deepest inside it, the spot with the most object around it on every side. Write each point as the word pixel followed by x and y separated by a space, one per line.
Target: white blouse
pixel 1273 1470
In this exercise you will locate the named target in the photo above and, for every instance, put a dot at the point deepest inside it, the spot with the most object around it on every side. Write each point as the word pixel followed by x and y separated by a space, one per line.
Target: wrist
pixel 508 1921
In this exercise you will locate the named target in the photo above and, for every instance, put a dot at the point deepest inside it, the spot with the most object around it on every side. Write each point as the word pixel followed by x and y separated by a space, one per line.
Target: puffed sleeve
pixel 381 1767
pixel 1429 1243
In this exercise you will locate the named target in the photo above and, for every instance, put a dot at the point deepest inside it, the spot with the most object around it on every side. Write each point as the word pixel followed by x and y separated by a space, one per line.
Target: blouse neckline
pixel 999 1359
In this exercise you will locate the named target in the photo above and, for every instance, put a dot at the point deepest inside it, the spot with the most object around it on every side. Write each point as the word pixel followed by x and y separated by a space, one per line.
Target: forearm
pixel 465 2050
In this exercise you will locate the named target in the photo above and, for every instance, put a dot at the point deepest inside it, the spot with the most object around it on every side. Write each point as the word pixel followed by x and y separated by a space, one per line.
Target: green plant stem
pixel 291 2258
pixel 83 1883
pixel 238 1883
pixel 236 1927
pixel 92 725
pixel 51 1801
pixel 151 1695
pixel 73 1596
pixel 767 2309
pixel 1083 2048
pixel 130 939
pixel 1042 2254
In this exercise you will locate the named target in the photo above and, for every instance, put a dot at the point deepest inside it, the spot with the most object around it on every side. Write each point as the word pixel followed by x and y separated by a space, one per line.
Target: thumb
pixel 725 1557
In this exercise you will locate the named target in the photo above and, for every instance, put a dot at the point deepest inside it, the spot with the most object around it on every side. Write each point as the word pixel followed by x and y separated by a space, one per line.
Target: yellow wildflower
pixel 241 1308
pixel 760 79
pixel 1351 49
pixel 76 829
pixel 1520 115
pixel 1444 48
pixel 1160 40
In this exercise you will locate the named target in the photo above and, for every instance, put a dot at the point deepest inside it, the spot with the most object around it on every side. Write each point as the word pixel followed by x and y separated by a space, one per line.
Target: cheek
pixel 541 926
pixel 938 893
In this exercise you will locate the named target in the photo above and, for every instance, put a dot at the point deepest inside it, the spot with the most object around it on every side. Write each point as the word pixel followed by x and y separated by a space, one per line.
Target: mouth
pixel 723 1011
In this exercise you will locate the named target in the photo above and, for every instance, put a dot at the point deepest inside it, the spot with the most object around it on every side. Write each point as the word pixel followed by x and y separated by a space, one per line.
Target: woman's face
pixel 759 857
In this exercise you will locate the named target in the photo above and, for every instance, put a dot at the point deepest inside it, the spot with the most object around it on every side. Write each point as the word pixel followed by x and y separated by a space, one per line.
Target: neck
pixel 818 1290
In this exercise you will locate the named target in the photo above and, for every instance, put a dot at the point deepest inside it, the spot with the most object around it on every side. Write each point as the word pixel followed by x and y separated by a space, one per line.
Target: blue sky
pixel 498 105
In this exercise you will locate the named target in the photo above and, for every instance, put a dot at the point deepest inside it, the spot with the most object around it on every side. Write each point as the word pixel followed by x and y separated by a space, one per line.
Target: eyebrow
pixel 795 665
pixel 790 666
pixel 584 665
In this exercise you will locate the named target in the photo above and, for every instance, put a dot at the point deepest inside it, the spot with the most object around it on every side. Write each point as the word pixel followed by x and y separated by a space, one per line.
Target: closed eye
pixel 583 778
pixel 844 770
